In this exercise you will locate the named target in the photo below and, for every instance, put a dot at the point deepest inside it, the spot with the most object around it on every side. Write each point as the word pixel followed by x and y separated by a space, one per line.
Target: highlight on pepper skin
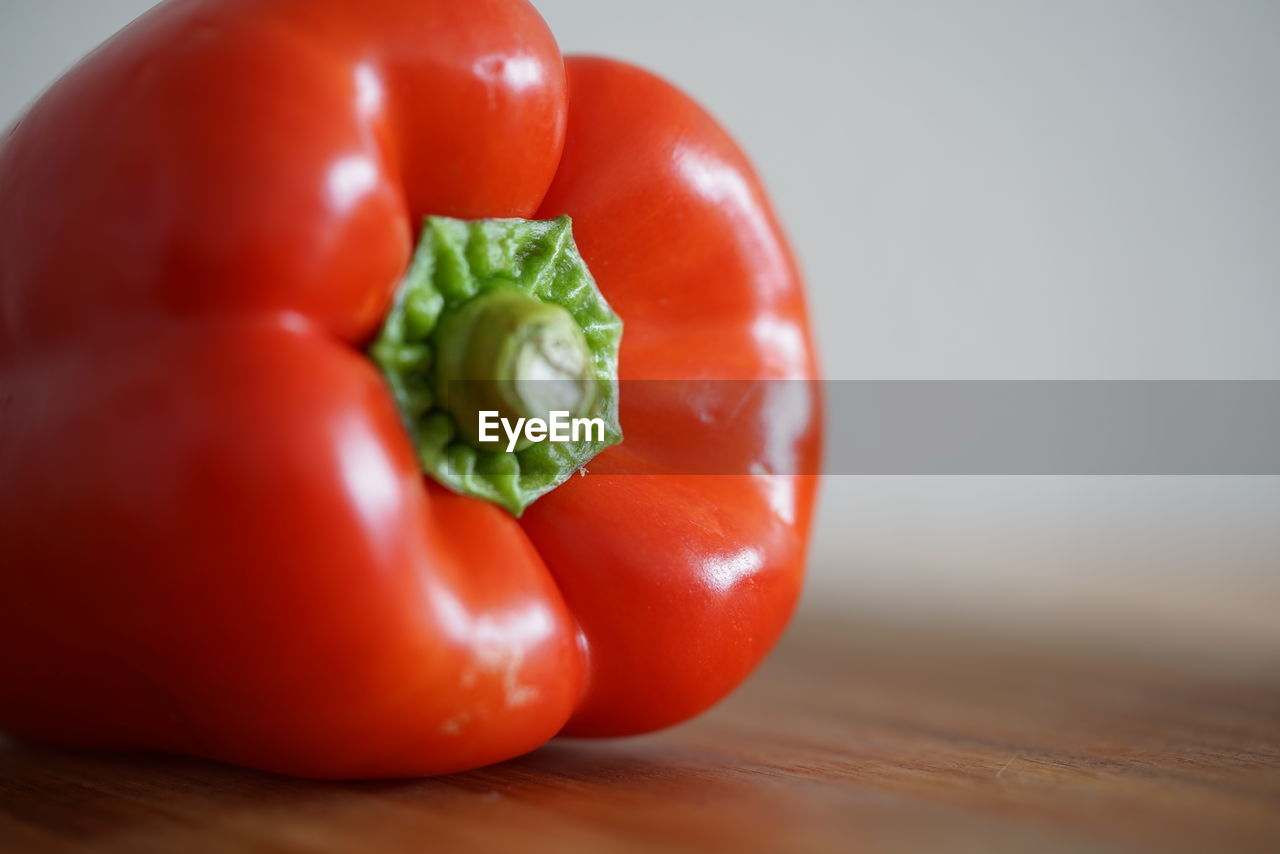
pixel 267 266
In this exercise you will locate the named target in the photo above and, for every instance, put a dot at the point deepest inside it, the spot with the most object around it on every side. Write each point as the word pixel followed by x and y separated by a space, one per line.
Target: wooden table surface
pixel 854 736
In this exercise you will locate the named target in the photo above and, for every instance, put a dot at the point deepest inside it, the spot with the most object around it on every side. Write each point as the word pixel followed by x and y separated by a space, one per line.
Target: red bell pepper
pixel 216 537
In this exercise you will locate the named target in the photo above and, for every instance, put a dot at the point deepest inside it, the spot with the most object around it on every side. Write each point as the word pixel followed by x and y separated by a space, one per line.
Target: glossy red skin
pixel 215 536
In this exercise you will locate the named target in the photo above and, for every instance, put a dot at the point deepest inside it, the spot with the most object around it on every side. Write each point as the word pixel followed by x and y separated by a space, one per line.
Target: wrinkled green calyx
pixel 500 315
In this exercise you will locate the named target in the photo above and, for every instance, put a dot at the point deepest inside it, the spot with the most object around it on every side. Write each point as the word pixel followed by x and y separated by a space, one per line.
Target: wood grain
pixel 856 735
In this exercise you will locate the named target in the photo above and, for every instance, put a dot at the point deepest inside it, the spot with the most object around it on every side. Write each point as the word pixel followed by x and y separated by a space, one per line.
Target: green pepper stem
pixel 501 316
pixel 507 352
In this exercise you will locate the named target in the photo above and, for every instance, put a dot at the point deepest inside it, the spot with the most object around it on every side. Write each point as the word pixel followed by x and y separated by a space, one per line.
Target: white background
pixel 992 189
